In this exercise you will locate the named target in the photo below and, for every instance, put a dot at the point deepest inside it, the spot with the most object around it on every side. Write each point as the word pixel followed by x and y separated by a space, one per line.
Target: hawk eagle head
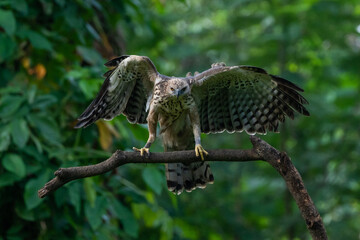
pixel 177 87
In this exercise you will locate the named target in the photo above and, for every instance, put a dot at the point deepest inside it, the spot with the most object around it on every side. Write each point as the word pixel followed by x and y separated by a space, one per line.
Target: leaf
pixel 7 21
pixel 36 39
pixel 13 163
pixel 37 143
pixel 10 104
pixel 31 93
pixel 14 231
pixel 61 3
pixel 140 132
pixel 81 153
pixel 90 191
pixel 7 179
pixel 131 226
pixel 75 197
pixel 24 213
pixel 89 87
pixel 31 188
pixel 93 32
pixel 47 6
pixel 105 135
pixel 89 55
pixel 61 196
pixel 4 139
pixel 22 112
pixel 19 132
pixel 47 127
pixel 94 213
pixel 35 154
pixel 20 5
pixel 153 178
pixel 34 169
pixel 44 101
pixel 10 90
pixel 7 48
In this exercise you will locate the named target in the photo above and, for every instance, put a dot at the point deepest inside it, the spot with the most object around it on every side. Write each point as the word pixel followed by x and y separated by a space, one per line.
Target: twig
pixel 261 151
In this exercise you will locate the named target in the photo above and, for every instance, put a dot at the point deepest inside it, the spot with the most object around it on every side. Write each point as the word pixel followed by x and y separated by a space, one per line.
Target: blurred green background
pixel 51 61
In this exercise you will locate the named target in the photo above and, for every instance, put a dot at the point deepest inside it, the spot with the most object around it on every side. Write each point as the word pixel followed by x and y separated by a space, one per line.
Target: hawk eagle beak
pixel 178 93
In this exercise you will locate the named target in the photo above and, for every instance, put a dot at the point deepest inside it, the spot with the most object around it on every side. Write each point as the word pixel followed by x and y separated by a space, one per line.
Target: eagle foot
pixel 200 151
pixel 142 150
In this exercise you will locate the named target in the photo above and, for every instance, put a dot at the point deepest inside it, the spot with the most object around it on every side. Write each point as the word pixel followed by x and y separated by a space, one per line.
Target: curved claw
pixel 142 150
pixel 200 151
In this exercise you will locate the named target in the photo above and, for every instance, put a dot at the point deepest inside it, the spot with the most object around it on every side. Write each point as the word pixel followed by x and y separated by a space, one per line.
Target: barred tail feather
pixel 189 177
pixel 202 174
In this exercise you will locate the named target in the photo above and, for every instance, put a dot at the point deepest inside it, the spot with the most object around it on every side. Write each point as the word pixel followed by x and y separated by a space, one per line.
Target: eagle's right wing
pixel 242 98
pixel 126 90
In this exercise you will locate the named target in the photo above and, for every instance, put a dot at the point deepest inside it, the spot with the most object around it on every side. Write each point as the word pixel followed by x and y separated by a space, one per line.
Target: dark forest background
pixel 51 62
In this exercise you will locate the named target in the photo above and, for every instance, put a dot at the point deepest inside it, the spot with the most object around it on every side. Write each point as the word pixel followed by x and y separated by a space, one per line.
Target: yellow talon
pixel 142 150
pixel 200 151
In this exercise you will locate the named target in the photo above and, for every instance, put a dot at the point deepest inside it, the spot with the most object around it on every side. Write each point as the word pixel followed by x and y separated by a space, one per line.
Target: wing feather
pixel 235 117
pixel 224 101
pixel 116 61
pixel 136 104
pixel 215 108
pixel 204 119
pixel 125 90
pixel 244 98
pixel 211 115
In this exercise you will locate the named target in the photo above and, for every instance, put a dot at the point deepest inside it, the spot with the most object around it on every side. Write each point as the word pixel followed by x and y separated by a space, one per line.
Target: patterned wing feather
pixel 135 110
pixel 126 90
pixel 244 98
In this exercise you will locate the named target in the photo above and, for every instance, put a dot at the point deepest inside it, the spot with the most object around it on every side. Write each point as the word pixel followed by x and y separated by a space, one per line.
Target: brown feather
pixel 125 90
pixel 245 98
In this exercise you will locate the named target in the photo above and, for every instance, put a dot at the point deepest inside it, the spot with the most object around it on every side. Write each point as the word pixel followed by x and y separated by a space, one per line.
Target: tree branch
pixel 261 151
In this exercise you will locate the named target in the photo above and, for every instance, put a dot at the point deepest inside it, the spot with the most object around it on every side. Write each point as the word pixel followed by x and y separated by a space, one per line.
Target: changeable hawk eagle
pixel 237 98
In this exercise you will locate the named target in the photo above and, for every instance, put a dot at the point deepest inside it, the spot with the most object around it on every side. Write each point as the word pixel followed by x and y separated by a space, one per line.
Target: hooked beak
pixel 177 93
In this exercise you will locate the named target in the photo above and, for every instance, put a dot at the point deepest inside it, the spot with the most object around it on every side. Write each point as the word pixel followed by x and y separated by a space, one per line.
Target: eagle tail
pixel 189 177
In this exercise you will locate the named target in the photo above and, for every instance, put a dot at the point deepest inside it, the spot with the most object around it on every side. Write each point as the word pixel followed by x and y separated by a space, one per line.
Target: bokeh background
pixel 51 62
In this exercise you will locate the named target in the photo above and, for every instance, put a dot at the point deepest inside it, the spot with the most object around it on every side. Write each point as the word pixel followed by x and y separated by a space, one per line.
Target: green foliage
pixel 154 179
pixel 14 164
pixel 51 56
pixel 7 21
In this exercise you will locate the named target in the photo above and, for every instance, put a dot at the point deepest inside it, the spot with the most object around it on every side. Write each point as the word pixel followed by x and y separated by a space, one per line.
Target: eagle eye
pixel 172 89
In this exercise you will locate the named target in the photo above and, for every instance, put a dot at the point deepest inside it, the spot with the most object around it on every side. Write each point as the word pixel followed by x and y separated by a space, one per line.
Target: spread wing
pixel 126 90
pixel 244 98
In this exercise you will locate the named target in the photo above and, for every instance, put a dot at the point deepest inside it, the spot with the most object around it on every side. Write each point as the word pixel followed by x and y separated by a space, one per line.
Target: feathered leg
pixel 195 122
pixel 152 123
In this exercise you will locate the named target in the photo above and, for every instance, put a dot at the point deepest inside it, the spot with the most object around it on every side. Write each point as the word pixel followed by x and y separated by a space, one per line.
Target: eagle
pixel 232 98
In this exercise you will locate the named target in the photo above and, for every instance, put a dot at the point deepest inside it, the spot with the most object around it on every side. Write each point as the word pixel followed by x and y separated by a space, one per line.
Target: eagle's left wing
pixel 126 90
pixel 244 98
